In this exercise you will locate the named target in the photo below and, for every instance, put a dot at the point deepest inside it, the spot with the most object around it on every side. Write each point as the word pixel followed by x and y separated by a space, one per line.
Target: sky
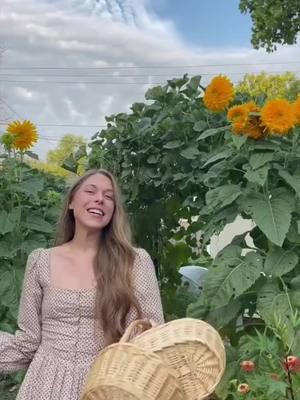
pixel 66 64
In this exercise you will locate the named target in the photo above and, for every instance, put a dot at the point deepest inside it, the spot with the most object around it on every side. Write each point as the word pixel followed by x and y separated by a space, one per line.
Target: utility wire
pixel 150 66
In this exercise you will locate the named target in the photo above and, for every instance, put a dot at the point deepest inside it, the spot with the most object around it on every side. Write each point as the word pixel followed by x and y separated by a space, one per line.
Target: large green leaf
pixel 219 156
pixel 258 175
pixel 37 223
pixel 190 153
pixel 224 283
pixel 259 159
pixel 221 316
pixel 29 186
pixel 174 144
pixel 212 132
pixel 222 196
pixel 274 305
pixel 9 290
pixel 279 261
pixel 292 180
pixel 9 221
pixel 271 214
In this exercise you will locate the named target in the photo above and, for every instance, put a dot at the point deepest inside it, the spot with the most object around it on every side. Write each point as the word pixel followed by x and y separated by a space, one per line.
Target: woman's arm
pixel 16 351
pixel 146 289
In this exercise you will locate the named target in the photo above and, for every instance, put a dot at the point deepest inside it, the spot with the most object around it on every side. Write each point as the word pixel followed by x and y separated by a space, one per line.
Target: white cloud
pixel 89 34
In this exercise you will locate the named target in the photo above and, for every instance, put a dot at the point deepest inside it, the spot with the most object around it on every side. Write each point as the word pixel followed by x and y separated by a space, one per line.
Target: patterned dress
pixel 56 337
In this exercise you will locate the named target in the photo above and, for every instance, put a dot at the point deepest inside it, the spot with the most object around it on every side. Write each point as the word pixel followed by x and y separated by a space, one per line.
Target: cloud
pixel 85 34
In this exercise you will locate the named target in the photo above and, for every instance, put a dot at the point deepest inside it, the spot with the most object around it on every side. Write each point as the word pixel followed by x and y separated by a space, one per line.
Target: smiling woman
pixel 80 295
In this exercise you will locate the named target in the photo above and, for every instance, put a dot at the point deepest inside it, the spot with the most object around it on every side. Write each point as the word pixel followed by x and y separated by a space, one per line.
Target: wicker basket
pixel 193 349
pixel 123 371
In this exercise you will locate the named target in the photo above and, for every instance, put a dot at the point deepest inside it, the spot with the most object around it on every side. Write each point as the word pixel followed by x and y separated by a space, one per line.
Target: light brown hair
pixel 113 264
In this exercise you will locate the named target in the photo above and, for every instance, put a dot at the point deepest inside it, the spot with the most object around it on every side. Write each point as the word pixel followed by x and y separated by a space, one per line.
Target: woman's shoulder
pixel 142 258
pixel 141 253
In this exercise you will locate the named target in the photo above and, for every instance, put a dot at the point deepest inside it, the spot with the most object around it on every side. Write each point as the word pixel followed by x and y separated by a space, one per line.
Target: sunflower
pixel 241 120
pixel 296 106
pixel 25 134
pixel 254 129
pixel 278 116
pixel 218 94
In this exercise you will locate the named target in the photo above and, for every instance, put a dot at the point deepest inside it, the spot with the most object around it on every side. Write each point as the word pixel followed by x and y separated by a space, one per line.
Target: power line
pixel 150 66
pixel 123 75
pixel 114 83
pixel 64 125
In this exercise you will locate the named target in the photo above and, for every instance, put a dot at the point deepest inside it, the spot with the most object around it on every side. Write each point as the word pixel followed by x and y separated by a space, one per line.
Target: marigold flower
pixel 278 116
pixel 247 366
pixel 25 133
pixel 296 106
pixel 218 94
pixel 292 364
pixel 243 388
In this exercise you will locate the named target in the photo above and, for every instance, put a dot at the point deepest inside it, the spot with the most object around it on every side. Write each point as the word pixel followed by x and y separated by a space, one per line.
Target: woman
pixel 79 296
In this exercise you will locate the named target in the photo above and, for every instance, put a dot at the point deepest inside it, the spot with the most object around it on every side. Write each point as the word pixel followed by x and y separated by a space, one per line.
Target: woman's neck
pixel 87 242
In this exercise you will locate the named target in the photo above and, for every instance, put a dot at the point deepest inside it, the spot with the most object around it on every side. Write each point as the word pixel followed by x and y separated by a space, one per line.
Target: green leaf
pixel 219 156
pixel 259 159
pixel 239 140
pixel 9 290
pixel 194 82
pixel 279 262
pixel 274 305
pixel 8 222
pixel 37 223
pixel 29 186
pixel 224 283
pixel 174 144
pixel 258 176
pixel 152 159
pixel 212 132
pixel 199 126
pixel 271 214
pixel 190 153
pixel 222 316
pixel 222 196
pixel 292 180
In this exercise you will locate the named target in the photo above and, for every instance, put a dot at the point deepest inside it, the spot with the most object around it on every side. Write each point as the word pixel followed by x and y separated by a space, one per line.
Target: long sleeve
pixel 16 351
pixel 146 289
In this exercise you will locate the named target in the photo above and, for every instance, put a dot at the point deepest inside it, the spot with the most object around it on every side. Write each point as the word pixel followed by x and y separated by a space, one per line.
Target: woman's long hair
pixel 113 264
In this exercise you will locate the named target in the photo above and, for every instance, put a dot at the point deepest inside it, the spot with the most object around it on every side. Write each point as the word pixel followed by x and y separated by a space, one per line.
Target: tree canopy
pixel 274 22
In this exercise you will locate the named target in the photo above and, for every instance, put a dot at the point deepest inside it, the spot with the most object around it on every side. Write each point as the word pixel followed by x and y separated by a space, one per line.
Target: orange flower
pixel 278 116
pixel 254 129
pixel 25 134
pixel 247 366
pixel 238 115
pixel 243 122
pixel 218 94
pixel 296 106
pixel 243 388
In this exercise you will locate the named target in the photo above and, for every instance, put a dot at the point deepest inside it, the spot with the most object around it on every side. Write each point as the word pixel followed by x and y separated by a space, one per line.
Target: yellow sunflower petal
pixel 278 116
pixel 25 133
pixel 218 94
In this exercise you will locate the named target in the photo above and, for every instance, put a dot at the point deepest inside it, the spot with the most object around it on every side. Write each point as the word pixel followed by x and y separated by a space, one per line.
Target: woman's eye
pixel 89 191
pixel 109 197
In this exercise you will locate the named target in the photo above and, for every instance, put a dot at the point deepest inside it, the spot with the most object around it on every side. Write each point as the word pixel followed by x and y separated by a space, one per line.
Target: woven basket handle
pixel 141 324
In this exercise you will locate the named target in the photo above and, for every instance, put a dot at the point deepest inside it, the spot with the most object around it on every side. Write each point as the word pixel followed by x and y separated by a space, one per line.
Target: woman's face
pixel 93 203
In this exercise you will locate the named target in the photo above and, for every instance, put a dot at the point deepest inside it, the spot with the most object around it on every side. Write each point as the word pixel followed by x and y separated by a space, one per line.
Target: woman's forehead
pixel 99 181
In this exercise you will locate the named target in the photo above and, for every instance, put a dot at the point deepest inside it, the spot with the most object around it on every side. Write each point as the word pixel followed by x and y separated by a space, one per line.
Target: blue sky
pixel 208 23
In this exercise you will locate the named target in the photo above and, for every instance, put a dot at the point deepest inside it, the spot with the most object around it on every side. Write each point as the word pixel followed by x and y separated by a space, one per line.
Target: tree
pixel 68 145
pixel 286 85
pixel 274 21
